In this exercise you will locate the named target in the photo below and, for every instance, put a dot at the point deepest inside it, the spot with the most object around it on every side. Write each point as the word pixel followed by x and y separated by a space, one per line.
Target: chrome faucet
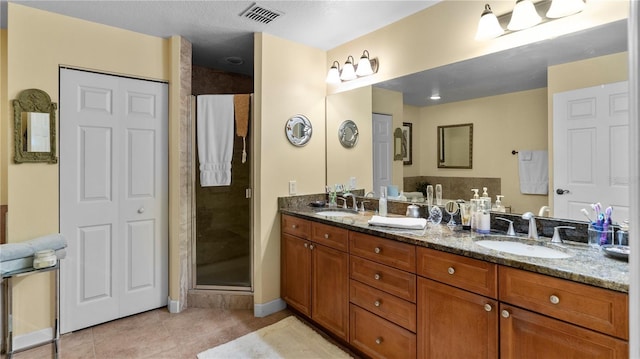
pixel 355 204
pixel 533 230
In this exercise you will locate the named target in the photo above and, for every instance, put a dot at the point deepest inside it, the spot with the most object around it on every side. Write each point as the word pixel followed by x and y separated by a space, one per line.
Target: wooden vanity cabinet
pixel 314 276
pixel 546 317
pixel 457 309
pixel 525 334
pixel 383 297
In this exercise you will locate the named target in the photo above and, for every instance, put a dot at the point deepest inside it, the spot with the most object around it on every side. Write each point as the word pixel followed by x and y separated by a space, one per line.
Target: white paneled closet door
pixel 113 197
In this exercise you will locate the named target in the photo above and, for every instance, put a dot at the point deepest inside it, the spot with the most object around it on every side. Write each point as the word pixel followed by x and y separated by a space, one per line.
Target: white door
pixel 113 197
pixel 382 151
pixel 591 150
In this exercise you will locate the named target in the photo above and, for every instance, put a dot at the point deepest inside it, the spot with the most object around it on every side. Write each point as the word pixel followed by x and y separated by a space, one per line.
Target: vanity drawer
pixel 295 226
pixel 466 273
pixel 394 309
pixel 330 236
pixel 379 338
pixel 386 251
pixel 399 283
pixel 595 308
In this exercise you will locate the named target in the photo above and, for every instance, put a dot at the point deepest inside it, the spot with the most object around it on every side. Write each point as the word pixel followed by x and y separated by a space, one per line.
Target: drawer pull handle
pixel 505 314
pixel 379 340
pixel 377 303
pixel 376 276
pixel 377 250
pixel 451 270
pixel 311 246
pixel 306 245
pixel 326 236
pixel 488 307
pixel 294 226
pixel 554 299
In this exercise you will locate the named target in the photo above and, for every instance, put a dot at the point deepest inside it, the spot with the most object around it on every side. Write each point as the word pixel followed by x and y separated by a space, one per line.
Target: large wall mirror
pixel 455 146
pixel 34 127
pixel 521 106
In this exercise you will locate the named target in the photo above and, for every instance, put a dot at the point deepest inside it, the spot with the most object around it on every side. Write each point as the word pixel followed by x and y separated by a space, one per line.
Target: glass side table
pixel 7 317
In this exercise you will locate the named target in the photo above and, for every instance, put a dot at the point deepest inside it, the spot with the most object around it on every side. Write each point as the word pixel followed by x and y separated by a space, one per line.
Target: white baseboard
pixel 274 306
pixel 34 338
pixel 173 306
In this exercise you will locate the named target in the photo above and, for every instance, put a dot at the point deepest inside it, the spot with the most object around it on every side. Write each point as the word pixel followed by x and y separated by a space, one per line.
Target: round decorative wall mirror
pixel 348 134
pixel 298 130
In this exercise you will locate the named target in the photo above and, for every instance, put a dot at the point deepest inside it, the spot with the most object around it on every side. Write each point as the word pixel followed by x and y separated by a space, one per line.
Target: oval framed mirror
pixel 298 130
pixel 348 134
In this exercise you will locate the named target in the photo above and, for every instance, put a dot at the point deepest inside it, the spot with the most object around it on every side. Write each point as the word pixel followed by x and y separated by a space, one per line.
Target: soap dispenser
pixel 498 207
pixel 474 209
pixel 485 196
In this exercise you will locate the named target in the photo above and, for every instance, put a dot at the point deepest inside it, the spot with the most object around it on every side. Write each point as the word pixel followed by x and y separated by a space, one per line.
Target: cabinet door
pixel 453 323
pixel 296 273
pixel 331 290
pixel 524 334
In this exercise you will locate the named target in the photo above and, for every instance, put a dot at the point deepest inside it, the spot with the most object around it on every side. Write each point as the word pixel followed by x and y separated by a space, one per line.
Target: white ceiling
pixel 217 31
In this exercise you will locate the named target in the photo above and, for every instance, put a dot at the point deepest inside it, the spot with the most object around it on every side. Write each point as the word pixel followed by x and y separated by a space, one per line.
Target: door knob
pixel 561 191
pixel 141 210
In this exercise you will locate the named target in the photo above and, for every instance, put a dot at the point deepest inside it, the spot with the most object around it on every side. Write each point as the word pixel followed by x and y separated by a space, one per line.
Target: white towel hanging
pixel 533 169
pixel 215 118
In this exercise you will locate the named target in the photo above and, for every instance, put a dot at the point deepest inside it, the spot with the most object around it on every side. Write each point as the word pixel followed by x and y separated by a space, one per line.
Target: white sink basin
pixel 336 213
pixel 523 249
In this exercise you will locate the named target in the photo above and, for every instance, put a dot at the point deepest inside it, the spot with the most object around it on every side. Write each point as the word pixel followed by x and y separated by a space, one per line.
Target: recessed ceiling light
pixel 435 97
pixel 234 60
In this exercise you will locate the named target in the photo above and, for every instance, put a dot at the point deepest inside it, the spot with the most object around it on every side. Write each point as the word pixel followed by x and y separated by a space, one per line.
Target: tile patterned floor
pixel 157 334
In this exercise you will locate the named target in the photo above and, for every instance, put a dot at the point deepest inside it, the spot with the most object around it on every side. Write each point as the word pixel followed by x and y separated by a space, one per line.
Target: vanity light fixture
pixel 333 76
pixel 365 67
pixel 489 26
pixel 348 70
pixel 562 8
pixel 525 14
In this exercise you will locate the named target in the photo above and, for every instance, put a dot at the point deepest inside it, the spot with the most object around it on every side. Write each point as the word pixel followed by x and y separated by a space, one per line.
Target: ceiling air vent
pixel 260 14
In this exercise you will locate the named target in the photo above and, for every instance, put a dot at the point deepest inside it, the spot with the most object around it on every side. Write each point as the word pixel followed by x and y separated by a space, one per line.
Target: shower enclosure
pixel 222 247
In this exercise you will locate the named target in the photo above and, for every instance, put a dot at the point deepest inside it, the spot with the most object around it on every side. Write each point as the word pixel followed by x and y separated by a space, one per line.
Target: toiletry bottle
pixel 382 202
pixel 498 207
pixel 484 217
pixel 485 196
pixel 474 209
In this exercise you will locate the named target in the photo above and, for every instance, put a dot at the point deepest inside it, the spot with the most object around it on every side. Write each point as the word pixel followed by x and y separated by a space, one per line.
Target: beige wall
pixel 284 86
pixel 515 121
pixel 344 163
pixel 581 74
pixel 34 54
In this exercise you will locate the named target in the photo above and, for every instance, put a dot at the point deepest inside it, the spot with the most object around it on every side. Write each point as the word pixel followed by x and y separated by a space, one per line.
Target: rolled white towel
pixel 398 222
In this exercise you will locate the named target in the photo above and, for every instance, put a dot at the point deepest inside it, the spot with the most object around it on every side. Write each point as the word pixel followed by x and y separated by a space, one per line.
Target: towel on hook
pixel 241 108
pixel 215 139
pixel 533 168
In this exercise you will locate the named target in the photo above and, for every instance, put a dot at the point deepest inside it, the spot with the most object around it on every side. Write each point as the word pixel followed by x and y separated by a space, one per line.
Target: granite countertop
pixel 587 265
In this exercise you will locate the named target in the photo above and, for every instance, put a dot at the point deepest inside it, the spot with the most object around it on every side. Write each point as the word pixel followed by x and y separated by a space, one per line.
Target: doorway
pixel 591 150
pixel 113 197
pixel 382 154
pixel 222 252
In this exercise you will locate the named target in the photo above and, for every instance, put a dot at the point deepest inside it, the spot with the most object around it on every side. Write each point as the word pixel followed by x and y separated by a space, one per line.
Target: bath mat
pixel 288 338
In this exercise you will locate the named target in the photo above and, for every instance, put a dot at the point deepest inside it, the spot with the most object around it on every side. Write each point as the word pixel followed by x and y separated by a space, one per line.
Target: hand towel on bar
pixel 241 108
pixel 398 222
pixel 533 168
pixel 215 139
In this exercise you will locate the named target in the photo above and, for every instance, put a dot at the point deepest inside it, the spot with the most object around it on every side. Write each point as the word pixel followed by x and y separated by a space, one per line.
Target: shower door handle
pixel 247 193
